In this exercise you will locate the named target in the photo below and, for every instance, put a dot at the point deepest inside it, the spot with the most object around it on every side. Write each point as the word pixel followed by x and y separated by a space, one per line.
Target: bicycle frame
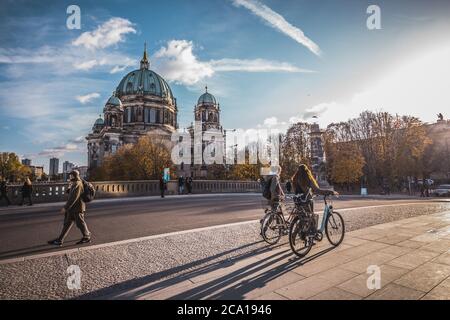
pixel 326 213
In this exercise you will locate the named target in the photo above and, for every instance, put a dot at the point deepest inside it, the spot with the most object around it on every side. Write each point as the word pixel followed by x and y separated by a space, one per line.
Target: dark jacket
pixel 3 188
pixel 74 202
pixel 162 184
pixel 26 189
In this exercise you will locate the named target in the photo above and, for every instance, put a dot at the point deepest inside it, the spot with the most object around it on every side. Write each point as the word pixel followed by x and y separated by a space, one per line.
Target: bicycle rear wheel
pixel 272 228
pixel 335 228
pixel 298 241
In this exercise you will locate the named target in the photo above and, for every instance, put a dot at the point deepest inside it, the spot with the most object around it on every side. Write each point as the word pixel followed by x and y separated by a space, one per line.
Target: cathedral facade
pixel 143 104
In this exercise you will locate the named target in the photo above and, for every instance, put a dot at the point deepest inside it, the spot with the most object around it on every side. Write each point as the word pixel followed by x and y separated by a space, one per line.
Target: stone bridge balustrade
pixel 55 192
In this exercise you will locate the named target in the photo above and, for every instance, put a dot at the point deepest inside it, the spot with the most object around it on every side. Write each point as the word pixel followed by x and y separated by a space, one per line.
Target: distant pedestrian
pixel 4 192
pixel 427 187
pixel 162 186
pixel 27 190
pixel 180 185
pixel 74 211
pixel 189 184
pixel 422 190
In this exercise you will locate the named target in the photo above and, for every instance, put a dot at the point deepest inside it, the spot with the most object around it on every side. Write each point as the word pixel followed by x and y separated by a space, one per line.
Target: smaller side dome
pixel 115 101
pixel 99 122
pixel 206 98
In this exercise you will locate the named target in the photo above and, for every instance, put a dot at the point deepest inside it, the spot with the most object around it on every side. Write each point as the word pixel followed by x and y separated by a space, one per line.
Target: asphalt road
pixel 26 230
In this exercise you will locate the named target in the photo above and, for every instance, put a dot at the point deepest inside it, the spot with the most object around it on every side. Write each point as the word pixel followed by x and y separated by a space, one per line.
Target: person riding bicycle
pixel 303 181
pixel 276 191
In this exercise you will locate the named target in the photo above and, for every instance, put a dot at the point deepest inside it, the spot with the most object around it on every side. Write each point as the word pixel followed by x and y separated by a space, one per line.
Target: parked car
pixel 429 181
pixel 442 190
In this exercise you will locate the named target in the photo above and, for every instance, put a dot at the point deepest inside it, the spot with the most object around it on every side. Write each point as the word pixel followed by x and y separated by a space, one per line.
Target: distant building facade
pixel 37 172
pixel 67 167
pixel 142 104
pixel 207 114
pixel 439 132
pixel 318 159
pixel 54 167
pixel 26 162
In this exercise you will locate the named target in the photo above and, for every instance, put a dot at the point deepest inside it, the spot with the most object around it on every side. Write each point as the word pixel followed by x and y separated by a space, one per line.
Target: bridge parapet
pixel 54 192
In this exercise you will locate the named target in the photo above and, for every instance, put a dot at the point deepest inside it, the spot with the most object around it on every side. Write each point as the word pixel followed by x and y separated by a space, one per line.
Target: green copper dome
pixel 99 122
pixel 144 81
pixel 207 98
pixel 113 100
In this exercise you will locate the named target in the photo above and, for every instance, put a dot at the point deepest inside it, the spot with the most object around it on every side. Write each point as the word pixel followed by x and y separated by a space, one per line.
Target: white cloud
pixel 86 65
pixel 119 68
pixel 62 60
pixel 177 63
pixel 417 87
pixel 256 65
pixel 270 122
pixel 67 59
pixel 77 140
pixel 88 97
pixel 58 151
pixel 107 34
pixel 277 22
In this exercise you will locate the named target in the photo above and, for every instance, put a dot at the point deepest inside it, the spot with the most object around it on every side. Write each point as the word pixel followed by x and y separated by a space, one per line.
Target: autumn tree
pixel 295 148
pixel 144 160
pixel 347 165
pixel 392 147
pixel 11 168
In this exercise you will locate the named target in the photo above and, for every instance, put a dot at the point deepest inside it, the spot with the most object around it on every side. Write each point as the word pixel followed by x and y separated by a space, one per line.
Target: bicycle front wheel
pixel 272 228
pixel 298 240
pixel 335 228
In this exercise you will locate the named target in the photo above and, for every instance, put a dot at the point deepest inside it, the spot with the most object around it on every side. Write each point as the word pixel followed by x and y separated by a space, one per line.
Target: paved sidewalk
pixel 413 255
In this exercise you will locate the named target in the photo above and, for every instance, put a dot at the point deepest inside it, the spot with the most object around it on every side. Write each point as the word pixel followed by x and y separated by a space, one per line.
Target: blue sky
pixel 267 62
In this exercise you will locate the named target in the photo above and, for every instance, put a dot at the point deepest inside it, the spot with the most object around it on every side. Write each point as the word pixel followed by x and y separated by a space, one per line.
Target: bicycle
pixel 303 229
pixel 274 225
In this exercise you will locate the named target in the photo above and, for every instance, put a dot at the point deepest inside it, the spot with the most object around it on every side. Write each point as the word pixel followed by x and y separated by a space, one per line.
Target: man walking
pixel 4 192
pixel 74 211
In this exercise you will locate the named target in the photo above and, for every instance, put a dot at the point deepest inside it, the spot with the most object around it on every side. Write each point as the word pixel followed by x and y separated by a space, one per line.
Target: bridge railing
pixel 54 192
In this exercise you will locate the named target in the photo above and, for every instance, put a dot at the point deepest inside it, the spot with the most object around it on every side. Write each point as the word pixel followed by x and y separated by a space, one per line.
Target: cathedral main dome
pixel 144 81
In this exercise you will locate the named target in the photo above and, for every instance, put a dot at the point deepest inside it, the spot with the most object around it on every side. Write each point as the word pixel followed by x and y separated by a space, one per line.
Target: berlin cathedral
pixel 143 104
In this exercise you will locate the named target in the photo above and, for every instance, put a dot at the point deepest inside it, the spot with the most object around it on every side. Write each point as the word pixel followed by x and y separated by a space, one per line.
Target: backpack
pixel 88 191
pixel 266 189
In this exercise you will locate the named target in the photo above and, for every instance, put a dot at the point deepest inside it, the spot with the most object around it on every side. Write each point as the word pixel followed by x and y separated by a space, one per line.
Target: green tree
pixel 295 148
pixel 144 160
pixel 11 168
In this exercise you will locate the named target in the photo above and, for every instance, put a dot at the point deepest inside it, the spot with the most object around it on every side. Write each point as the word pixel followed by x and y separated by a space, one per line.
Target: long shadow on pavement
pixel 233 285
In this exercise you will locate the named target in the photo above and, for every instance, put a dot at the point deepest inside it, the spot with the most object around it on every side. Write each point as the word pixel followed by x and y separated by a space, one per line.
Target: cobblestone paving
pixel 410 243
